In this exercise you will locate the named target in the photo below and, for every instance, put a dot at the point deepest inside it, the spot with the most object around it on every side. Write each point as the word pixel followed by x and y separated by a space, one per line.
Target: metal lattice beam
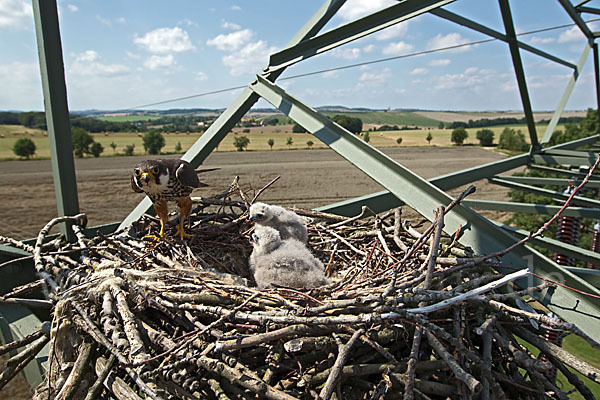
pixel 47 31
pixel 478 233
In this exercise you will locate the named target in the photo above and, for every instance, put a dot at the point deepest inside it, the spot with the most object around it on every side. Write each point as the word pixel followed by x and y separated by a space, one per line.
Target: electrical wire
pixel 377 61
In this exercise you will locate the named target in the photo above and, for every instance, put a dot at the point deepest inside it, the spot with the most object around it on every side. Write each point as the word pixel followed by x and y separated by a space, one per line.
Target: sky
pixel 127 54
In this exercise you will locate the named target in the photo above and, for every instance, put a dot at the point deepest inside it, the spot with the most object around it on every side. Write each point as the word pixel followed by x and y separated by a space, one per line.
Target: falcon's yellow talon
pixel 181 233
pixel 153 238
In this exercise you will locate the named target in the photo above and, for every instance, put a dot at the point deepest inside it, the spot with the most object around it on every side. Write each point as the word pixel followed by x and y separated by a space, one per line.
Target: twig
pixel 336 370
pixel 473 384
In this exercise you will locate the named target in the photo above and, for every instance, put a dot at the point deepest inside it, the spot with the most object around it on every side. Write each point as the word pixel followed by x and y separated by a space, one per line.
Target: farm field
pixel 258 136
pixel 309 178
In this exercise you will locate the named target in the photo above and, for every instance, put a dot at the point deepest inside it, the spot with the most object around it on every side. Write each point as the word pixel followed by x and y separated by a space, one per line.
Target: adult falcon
pixel 167 180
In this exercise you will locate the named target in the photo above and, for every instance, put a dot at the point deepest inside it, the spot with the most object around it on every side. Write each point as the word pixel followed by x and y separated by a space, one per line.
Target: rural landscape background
pixel 311 175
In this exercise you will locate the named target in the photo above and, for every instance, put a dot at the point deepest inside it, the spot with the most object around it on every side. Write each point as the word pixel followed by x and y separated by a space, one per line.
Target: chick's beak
pixel 145 177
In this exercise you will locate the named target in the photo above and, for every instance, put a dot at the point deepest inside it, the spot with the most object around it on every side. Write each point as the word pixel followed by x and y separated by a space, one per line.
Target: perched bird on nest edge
pixel 166 180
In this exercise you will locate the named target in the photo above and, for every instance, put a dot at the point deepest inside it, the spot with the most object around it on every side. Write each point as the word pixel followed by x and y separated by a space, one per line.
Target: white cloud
pixel 369 48
pixel 331 74
pixel 72 7
pixel 21 86
pixel 230 25
pixel 376 77
pixel 472 78
pixel 419 71
pixel 452 39
pixel 393 31
pixel 235 8
pixel 201 76
pixel 440 62
pixel 397 48
pixel 541 40
pixel 165 40
pixel 16 14
pixel 571 35
pixel 88 64
pixel 104 21
pixel 351 53
pixel 158 62
pixel 231 41
pixel 354 9
pixel 249 59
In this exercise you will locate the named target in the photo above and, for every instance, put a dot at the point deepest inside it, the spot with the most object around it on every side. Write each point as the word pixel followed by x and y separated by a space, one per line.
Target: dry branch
pixel 183 319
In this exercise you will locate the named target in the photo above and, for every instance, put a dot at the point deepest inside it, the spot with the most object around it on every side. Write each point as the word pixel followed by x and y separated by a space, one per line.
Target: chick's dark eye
pixel 155 170
pixel 137 172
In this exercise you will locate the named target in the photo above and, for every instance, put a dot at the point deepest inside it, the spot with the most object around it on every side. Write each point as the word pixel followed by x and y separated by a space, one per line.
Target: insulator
pixel 595 246
pixel 567 232
pixel 554 336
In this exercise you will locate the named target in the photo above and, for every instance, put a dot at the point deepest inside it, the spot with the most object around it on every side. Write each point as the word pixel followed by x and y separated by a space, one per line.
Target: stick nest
pixel 409 314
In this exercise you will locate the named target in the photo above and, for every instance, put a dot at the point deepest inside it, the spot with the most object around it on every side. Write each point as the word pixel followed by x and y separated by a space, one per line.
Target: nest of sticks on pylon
pixel 409 313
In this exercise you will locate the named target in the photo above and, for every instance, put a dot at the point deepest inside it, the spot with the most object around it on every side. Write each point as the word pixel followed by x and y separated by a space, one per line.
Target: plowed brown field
pixel 309 178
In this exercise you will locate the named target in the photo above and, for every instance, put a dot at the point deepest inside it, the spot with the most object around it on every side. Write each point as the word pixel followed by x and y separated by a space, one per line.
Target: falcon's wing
pixel 186 174
pixel 135 186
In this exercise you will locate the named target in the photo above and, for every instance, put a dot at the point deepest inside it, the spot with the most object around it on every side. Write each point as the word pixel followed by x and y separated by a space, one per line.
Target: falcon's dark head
pixel 149 175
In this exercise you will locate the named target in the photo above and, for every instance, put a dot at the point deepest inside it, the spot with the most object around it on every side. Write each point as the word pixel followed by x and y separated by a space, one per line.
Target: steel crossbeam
pixel 509 206
pixel 403 11
pixel 478 233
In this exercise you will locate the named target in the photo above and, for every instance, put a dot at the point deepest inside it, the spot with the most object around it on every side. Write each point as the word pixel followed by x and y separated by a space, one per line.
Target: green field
pixel 581 349
pixel 129 118
pixel 258 139
pixel 391 118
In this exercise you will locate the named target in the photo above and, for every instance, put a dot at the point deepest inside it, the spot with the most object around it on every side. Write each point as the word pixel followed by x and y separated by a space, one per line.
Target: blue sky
pixel 123 54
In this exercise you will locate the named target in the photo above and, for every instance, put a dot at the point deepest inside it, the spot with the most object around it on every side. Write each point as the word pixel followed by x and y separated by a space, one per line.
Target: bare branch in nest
pixel 182 319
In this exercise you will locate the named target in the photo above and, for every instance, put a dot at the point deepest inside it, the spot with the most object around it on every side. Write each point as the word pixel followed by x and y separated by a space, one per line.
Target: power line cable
pixel 380 60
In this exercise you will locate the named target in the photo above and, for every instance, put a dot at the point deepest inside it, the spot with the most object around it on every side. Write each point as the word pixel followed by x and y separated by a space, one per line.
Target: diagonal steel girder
pixel 577 18
pixel 450 16
pixel 556 245
pixel 563 182
pixel 479 233
pixel 545 192
pixel 529 208
pixel 242 104
pixel 519 71
pixel 352 31
pixel 565 97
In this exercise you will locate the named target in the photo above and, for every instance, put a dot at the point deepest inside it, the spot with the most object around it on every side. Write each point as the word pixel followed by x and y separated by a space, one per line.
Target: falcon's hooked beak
pixel 145 177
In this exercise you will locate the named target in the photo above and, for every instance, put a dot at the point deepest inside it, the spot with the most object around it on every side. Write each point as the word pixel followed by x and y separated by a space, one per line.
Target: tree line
pixel 485 122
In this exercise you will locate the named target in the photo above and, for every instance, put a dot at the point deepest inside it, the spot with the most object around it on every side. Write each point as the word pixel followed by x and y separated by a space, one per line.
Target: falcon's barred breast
pixel 166 180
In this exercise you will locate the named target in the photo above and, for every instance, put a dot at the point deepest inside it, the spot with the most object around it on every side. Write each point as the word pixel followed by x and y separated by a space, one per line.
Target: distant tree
pixel 153 141
pixel 459 135
pixel 297 128
pixel 241 142
pixel 24 147
pixel 485 137
pixel 512 140
pixel 128 150
pixel 590 125
pixel 399 141
pixel 366 137
pixel 178 148
pixel 441 125
pixel 271 142
pixel 81 141
pixel 429 138
pixel 96 149
pixel 309 144
pixel 114 146
pixel 289 141
pixel 351 124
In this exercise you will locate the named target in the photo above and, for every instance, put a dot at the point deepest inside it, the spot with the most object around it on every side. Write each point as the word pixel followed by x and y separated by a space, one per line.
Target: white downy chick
pixel 288 223
pixel 284 262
